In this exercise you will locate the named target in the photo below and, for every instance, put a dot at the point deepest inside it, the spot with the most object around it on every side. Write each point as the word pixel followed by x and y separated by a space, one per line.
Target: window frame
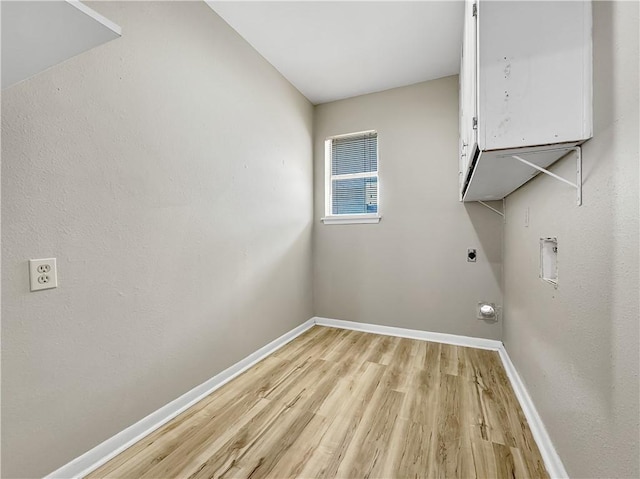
pixel 358 218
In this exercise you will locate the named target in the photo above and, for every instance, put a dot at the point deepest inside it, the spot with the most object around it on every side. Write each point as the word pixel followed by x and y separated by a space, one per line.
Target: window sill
pixel 351 219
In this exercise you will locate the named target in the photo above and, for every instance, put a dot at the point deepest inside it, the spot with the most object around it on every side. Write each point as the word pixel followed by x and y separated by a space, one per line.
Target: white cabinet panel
pixel 533 85
pixel 497 173
pixel 533 72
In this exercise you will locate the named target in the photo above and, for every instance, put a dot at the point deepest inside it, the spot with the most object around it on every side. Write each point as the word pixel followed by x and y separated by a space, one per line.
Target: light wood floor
pixel 338 403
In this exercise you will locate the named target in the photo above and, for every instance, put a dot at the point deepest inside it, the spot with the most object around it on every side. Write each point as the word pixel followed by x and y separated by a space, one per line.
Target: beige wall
pixel 170 173
pixel 576 346
pixel 410 270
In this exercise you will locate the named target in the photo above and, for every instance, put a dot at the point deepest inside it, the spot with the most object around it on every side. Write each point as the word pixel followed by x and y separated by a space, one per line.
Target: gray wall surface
pixel 576 347
pixel 170 173
pixel 410 270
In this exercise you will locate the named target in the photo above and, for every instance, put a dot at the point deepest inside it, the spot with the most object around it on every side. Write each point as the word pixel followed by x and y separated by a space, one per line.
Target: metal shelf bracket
pixel 492 208
pixel 577 185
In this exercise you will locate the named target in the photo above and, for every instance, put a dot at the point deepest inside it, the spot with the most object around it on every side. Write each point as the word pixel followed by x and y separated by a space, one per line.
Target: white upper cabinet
pixel 37 35
pixel 468 90
pixel 525 90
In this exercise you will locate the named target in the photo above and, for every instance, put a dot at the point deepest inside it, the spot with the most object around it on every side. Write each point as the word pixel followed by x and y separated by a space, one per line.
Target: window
pixel 351 184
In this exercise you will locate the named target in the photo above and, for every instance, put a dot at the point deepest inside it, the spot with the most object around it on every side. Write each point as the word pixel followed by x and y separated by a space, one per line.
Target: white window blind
pixel 353 175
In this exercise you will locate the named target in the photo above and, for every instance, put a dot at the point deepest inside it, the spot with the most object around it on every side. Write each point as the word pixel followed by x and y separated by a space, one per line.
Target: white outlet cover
pixel 43 274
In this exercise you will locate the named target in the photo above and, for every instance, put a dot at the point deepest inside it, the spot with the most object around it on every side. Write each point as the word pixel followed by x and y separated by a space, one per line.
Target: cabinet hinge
pixel 475 122
pixel 474 10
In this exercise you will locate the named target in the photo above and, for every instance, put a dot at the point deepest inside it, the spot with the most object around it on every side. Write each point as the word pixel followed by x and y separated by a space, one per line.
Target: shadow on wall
pixel 599 161
pixel 603 88
pixel 485 222
pixel 260 287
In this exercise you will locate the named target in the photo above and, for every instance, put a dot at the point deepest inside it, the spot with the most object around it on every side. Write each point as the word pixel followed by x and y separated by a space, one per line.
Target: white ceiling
pixel 339 49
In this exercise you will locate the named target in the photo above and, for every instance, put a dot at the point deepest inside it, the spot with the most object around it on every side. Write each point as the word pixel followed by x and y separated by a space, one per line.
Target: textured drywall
pixel 576 347
pixel 170 173
pixel 410 270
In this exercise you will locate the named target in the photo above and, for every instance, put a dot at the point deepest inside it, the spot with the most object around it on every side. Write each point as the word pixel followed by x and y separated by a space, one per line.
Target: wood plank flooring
pixel 346 404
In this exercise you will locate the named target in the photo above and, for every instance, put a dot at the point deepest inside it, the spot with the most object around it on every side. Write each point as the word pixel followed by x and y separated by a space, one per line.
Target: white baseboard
pixel 103 452
pixel 454 339
pixel 551 459
pixel 113 446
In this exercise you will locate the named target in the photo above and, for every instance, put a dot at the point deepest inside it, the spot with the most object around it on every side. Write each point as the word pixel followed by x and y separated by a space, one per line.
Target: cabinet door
pixel 468 91
pixel 462 127
pixel 534 73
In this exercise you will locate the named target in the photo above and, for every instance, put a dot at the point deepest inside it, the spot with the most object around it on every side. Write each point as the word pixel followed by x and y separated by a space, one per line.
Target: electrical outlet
pixel 43 274
pixel 471 255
